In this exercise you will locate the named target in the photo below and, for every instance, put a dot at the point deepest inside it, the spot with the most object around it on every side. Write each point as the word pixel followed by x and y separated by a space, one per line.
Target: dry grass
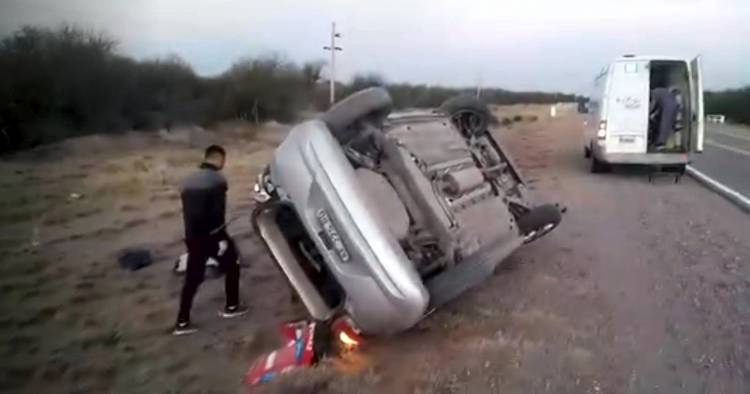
pixel 128 186
pixel 88 326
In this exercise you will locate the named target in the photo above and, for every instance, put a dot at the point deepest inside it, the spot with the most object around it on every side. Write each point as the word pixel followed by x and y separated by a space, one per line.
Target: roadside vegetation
pixel 423 96
pixel 69 82
pixel 733 103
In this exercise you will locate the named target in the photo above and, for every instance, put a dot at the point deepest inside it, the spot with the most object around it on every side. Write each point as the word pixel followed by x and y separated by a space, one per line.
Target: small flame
pixel 347 340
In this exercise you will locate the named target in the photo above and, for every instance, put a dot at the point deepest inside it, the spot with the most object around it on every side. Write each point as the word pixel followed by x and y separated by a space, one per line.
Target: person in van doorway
pixel 203 209
pixel 663 111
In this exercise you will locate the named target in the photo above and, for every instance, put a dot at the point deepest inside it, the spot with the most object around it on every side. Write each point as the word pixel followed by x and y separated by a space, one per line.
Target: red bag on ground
pixel 305 343
pixel 297 352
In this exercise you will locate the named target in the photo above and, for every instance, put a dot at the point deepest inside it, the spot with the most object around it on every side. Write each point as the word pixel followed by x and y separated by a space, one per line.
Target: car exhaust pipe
pixel 266 226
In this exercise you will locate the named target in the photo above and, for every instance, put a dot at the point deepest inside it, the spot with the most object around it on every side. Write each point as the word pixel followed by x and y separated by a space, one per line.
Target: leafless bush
pixel 425 96
pixel 69 81
pixel 260 89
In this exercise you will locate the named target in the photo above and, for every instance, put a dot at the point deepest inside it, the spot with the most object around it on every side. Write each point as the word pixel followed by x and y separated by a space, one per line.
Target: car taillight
pixel 602 132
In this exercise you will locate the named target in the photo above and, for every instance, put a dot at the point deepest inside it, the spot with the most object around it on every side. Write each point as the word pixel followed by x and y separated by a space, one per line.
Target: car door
pixel 696 100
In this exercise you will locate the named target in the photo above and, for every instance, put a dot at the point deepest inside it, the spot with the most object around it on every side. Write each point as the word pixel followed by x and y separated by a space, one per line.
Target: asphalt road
pixel 726 156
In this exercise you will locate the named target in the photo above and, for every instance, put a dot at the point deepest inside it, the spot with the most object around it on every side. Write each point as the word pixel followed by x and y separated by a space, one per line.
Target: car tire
pixel 468 106
pixel 539 221
pixel 374 103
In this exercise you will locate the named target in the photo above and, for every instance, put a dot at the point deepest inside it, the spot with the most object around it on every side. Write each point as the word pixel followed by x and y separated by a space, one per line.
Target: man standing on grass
pixel 204 197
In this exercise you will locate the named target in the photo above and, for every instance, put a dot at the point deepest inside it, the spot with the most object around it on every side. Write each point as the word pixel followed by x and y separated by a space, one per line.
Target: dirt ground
pixel 644 288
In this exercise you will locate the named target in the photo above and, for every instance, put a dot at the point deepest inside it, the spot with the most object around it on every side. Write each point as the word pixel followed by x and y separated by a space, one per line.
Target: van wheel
pixel 538 222
pixel 598 166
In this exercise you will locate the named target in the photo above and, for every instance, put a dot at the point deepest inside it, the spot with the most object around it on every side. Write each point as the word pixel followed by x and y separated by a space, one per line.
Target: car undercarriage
pixel 385 218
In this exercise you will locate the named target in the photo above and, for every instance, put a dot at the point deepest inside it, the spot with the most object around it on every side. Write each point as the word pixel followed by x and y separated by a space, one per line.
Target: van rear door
pixel 696 100
pixel 627 110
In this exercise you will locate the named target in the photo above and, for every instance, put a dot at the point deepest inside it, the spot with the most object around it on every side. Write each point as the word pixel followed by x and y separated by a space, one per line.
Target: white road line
pixel 727 147
pixel 728 193
pixel 728 134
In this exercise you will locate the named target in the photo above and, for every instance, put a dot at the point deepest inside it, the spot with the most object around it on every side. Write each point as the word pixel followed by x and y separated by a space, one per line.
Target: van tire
pixel 586 152
pixel 539 221
pixel 598 166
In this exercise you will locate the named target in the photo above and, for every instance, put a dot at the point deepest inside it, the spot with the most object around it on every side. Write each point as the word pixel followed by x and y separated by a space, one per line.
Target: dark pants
pixel 666 125
pixel 199 250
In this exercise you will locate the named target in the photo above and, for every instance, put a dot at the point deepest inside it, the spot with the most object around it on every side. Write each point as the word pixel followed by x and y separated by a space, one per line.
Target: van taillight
pixel 602 133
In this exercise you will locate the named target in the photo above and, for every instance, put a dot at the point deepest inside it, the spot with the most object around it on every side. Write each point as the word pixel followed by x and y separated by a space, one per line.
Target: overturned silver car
pixel 384 218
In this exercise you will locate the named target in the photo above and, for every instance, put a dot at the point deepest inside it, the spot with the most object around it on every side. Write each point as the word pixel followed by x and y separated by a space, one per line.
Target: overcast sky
pixel 514 44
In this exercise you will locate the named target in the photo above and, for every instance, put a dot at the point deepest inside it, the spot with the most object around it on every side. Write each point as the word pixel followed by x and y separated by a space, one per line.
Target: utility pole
pixel 479 86
pixel 333 48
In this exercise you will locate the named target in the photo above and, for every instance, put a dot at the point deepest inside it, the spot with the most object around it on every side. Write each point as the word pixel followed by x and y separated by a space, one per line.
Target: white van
pixel 621 126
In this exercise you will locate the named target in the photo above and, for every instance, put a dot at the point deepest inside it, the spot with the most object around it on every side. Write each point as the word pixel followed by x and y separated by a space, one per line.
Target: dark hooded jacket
pixel 204 197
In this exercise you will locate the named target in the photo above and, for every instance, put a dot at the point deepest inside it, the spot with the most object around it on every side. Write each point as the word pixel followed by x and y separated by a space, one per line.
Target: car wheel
pixel 468 113
pixel 538 222
pixel 374 103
